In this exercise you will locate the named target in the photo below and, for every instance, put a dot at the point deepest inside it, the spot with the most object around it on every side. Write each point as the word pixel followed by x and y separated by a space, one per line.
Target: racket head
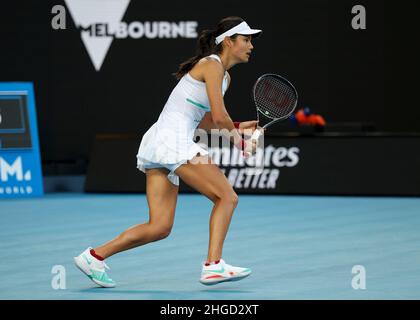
pixel 275 97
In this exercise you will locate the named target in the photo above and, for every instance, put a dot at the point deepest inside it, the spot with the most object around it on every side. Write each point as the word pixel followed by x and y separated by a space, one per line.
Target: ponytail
pixel 206 45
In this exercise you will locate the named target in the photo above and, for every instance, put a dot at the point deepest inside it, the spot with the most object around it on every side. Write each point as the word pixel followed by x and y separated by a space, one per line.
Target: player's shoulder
pixel 211 64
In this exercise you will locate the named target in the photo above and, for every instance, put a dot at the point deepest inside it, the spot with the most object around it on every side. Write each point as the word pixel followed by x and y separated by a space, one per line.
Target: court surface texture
pixel 299 247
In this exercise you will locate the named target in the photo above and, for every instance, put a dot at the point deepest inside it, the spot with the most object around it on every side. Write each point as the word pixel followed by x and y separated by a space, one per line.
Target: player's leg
pixel 161 198
pixel 209 180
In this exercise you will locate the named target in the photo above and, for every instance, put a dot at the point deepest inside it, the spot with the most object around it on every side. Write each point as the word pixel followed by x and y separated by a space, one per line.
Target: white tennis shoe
pixel 221 272
pixel 94 269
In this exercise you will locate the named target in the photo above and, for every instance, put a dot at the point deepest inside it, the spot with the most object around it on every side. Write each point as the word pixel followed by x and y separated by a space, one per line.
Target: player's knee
pixel 162 231
pixel 235 199
pixel 231 199
pixel 214 198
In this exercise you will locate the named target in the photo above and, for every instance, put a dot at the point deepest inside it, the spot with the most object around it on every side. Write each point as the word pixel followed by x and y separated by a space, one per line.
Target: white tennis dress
pixel 169 141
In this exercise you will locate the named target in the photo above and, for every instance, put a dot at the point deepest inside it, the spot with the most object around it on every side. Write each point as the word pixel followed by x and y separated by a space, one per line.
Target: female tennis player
pixel 167 152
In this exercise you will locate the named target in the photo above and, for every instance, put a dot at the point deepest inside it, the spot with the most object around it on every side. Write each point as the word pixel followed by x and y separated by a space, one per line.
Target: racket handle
pixel 257 133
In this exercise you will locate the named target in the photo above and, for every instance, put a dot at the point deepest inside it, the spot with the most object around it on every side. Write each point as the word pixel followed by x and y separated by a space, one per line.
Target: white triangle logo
pixel 88 12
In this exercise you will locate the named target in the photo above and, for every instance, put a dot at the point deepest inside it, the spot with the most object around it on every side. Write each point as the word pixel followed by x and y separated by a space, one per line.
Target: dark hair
pixel 206 44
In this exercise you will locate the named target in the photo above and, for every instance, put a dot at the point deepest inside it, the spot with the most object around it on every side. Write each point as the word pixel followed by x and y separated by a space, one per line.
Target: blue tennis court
pixel 299 247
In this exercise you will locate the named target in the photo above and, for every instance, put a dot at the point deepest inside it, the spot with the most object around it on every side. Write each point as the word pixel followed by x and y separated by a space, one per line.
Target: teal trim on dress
pixel 198 105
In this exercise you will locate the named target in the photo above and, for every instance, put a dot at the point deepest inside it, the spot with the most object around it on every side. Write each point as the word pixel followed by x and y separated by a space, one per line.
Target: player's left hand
pixel 248 127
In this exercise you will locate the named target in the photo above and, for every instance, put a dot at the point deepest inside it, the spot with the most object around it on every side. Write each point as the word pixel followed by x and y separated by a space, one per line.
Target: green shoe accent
pixel 217 271
pixel 87 259
pixel 101 276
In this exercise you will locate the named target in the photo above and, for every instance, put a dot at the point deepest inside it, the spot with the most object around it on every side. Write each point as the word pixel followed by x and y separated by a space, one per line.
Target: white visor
pixel 242 28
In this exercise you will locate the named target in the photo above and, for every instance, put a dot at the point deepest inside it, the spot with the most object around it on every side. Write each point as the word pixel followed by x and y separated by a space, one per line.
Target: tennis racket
pixel 275 99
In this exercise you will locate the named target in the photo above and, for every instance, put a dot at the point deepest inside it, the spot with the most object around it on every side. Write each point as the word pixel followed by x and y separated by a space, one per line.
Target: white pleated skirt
pixel 167 149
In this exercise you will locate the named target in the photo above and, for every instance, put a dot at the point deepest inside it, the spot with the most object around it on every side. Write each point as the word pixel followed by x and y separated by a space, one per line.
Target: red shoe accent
pixel 93 253
pixel 210 263
pixel 213 277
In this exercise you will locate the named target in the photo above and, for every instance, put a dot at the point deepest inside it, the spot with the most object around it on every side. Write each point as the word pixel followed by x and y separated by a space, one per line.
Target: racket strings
pixel 274 98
